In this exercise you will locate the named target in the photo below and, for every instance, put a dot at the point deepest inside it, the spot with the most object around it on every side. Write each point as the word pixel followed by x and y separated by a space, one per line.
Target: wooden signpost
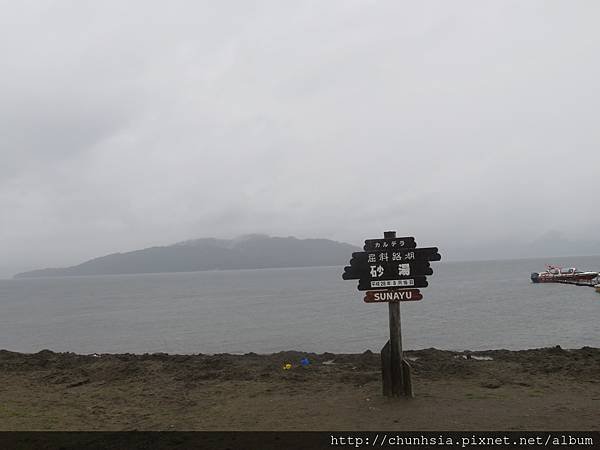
pixel 389 243
pixel 401 295
pixel 389 270
pixel 396 283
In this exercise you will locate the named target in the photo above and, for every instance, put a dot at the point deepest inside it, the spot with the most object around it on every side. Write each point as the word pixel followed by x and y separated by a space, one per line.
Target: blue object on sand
pixel 305 362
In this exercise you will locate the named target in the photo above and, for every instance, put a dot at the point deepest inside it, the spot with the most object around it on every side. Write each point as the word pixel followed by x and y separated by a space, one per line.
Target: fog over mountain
pixel 247 252
pixel 469 125
pixel 260 251
pixel 548 245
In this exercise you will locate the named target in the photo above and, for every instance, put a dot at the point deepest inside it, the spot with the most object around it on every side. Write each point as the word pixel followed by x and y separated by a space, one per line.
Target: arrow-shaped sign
pixel 389 243
pixel 404 255
pixel 399 295
pixel 414 282
pixel 387 270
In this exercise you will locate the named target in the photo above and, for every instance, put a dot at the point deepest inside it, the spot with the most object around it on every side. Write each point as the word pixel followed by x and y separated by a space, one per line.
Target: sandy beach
pixel 539 389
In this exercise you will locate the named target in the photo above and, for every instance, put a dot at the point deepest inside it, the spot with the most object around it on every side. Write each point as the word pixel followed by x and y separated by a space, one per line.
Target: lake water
pixel 468 305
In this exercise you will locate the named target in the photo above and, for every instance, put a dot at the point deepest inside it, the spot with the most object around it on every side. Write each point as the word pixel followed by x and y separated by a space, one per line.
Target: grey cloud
pixel 129 124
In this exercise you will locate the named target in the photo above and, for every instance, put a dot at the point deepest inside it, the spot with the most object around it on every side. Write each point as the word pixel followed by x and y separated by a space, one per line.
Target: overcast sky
pixel 130 124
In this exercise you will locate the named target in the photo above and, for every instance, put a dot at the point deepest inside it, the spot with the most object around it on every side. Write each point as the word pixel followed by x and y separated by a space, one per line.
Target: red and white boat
pixel 556 274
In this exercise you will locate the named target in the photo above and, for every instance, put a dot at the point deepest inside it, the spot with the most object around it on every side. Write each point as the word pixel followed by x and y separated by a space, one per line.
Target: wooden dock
pixel 590 283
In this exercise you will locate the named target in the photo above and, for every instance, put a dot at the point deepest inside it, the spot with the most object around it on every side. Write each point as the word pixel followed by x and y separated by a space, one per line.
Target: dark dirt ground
pixel 540 389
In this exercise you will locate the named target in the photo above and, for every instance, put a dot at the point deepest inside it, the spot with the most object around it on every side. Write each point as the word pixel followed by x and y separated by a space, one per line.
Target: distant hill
pixel 551 244
pixel 247 252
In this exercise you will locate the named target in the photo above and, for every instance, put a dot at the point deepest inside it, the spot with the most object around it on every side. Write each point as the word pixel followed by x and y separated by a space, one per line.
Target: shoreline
pixel 303 352
pixel 536 389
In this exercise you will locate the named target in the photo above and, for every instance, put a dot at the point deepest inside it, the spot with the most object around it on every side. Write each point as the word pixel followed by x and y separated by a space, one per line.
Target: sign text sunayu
pixel 399 295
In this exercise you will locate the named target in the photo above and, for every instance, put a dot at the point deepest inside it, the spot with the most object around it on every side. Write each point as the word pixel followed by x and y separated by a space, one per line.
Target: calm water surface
pixel 469 305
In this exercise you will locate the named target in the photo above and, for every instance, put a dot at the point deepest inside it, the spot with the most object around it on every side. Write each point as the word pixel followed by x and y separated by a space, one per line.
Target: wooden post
pixel 395 349
pixel 386 370
pixel 395 371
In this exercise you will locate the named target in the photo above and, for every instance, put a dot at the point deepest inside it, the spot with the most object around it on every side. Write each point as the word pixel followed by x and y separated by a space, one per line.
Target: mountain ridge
pixel 244 252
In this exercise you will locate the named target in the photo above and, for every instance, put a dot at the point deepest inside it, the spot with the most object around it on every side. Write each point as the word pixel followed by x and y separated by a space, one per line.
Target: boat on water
pixel 555 274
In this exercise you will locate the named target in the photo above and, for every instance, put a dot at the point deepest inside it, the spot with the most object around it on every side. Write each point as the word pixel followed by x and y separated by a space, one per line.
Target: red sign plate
pixel 399 295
